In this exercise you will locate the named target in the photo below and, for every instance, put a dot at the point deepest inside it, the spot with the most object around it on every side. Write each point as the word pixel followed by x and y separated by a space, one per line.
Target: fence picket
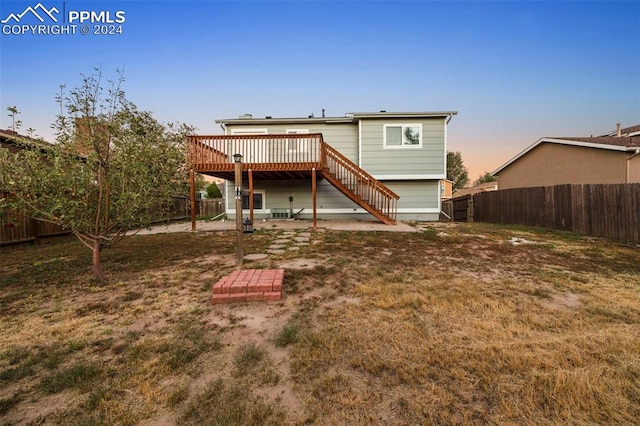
pixel 601 210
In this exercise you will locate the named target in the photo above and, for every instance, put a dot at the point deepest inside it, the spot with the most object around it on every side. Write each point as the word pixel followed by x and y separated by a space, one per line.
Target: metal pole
pixel 192 194
pixel 237 158
pixel 251 195
pixel 313 195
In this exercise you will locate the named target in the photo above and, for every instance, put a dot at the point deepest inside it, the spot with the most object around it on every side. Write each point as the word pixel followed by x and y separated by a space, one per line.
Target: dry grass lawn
pixel 457 324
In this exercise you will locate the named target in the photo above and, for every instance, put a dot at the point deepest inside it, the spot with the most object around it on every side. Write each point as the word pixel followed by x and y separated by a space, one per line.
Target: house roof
pixel 8 135
pixel 483 187
pixel 627 131
pixel 11 138
pixel 630 141
pixel 348 118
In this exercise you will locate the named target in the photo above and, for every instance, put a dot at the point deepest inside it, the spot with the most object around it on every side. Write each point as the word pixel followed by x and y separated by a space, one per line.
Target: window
pixel 297 145
pixel 258 201
pixel 402 136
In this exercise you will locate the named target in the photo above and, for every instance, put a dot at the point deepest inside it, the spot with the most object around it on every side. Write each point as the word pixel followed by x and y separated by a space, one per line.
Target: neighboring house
pixel 446 189
pixel 483 187
pixel 610 158
pixel 7 140
pixel 386 164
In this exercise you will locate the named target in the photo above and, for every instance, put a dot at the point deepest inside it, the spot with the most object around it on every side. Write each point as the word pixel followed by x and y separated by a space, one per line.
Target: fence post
pixel 470 208
pixel 192 193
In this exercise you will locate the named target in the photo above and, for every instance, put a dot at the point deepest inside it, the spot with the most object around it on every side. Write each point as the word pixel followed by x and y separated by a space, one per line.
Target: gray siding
pixel 416 194
pixel 341 136
pixel 428 160
pixel 277 193
pixel 419 200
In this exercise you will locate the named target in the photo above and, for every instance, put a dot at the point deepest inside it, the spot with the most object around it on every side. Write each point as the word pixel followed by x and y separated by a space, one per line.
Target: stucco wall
pixel 553 164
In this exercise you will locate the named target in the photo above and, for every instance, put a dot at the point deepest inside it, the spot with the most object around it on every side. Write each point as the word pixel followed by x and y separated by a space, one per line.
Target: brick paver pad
pixel 249 285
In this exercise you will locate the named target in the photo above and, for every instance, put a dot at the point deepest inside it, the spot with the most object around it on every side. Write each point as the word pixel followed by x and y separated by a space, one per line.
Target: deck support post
pixel 192 193
pixel 250 195
pixel 238 180
pixel 313 196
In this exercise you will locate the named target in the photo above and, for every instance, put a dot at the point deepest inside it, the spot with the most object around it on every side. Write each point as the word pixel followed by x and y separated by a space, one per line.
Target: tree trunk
pixel 97 266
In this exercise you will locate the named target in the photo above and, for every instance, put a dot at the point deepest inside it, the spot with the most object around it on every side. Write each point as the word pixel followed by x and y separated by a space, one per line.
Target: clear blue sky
pixel 515 71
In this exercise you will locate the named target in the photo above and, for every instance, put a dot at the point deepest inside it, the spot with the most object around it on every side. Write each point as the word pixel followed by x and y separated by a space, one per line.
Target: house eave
pixel 348 118
pixel 299 120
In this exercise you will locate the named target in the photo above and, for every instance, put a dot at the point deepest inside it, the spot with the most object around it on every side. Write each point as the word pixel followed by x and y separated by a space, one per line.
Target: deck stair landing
pixel 249 285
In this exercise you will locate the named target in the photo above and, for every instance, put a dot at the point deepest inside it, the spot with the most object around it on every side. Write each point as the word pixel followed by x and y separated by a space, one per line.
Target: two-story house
pixel 386 164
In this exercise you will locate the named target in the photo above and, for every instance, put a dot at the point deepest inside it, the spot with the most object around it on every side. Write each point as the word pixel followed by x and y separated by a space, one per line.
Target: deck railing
pixel 259 152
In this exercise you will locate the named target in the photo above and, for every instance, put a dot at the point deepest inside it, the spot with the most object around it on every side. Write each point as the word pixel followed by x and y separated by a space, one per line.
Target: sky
pixel 514 71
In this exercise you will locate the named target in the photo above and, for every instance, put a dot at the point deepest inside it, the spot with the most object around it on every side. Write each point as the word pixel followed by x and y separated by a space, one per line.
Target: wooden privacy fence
pixel 210 207
pixel 599 210
pixel 15 227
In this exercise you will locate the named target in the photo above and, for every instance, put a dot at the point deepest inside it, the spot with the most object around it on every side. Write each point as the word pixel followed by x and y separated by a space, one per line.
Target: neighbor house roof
pixel 627 131
pixel 348 118
pixel 483 187
pixel 630 141
pixel 9 137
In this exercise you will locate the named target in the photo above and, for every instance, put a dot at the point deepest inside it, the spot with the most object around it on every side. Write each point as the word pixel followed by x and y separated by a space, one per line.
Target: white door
pixel 252 150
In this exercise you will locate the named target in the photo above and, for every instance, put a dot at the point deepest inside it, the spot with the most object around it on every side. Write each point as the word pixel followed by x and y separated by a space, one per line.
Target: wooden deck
pixel 291 156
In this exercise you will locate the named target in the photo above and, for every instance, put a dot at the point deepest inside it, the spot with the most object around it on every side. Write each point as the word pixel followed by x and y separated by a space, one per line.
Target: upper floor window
pixel 297 145
pixel 402 135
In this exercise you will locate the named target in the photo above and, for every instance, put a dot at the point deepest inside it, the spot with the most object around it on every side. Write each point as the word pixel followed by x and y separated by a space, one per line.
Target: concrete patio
pixel 230 225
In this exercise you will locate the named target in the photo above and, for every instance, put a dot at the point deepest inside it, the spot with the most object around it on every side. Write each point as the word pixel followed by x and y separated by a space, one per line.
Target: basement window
pixel 258 200
pixel 397 136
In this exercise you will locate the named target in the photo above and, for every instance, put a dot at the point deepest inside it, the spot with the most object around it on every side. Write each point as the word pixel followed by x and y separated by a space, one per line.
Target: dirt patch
pixel 566 300
pixel 301 263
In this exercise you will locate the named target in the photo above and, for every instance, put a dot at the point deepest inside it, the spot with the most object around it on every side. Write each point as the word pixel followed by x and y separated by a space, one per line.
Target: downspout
pixel 628 171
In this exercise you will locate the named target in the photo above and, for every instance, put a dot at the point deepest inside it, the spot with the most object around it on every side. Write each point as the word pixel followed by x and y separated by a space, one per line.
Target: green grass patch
pixel 78 376
pixel 289 334
pixel 248 358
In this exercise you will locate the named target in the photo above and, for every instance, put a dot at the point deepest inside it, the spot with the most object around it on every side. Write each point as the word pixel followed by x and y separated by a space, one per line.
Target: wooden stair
pixel 358 185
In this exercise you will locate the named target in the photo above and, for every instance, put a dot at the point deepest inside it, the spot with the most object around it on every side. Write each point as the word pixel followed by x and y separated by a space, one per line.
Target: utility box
pixel 280 214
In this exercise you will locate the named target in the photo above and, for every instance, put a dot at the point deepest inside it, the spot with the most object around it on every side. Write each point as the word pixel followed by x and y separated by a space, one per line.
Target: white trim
pixel 445 148
pixel 249 131
pixel 420 210
pixel 402 126
pixel 341 211
pixel 356 210
pixel 411 177
pixel 560 142
pixel 360 144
